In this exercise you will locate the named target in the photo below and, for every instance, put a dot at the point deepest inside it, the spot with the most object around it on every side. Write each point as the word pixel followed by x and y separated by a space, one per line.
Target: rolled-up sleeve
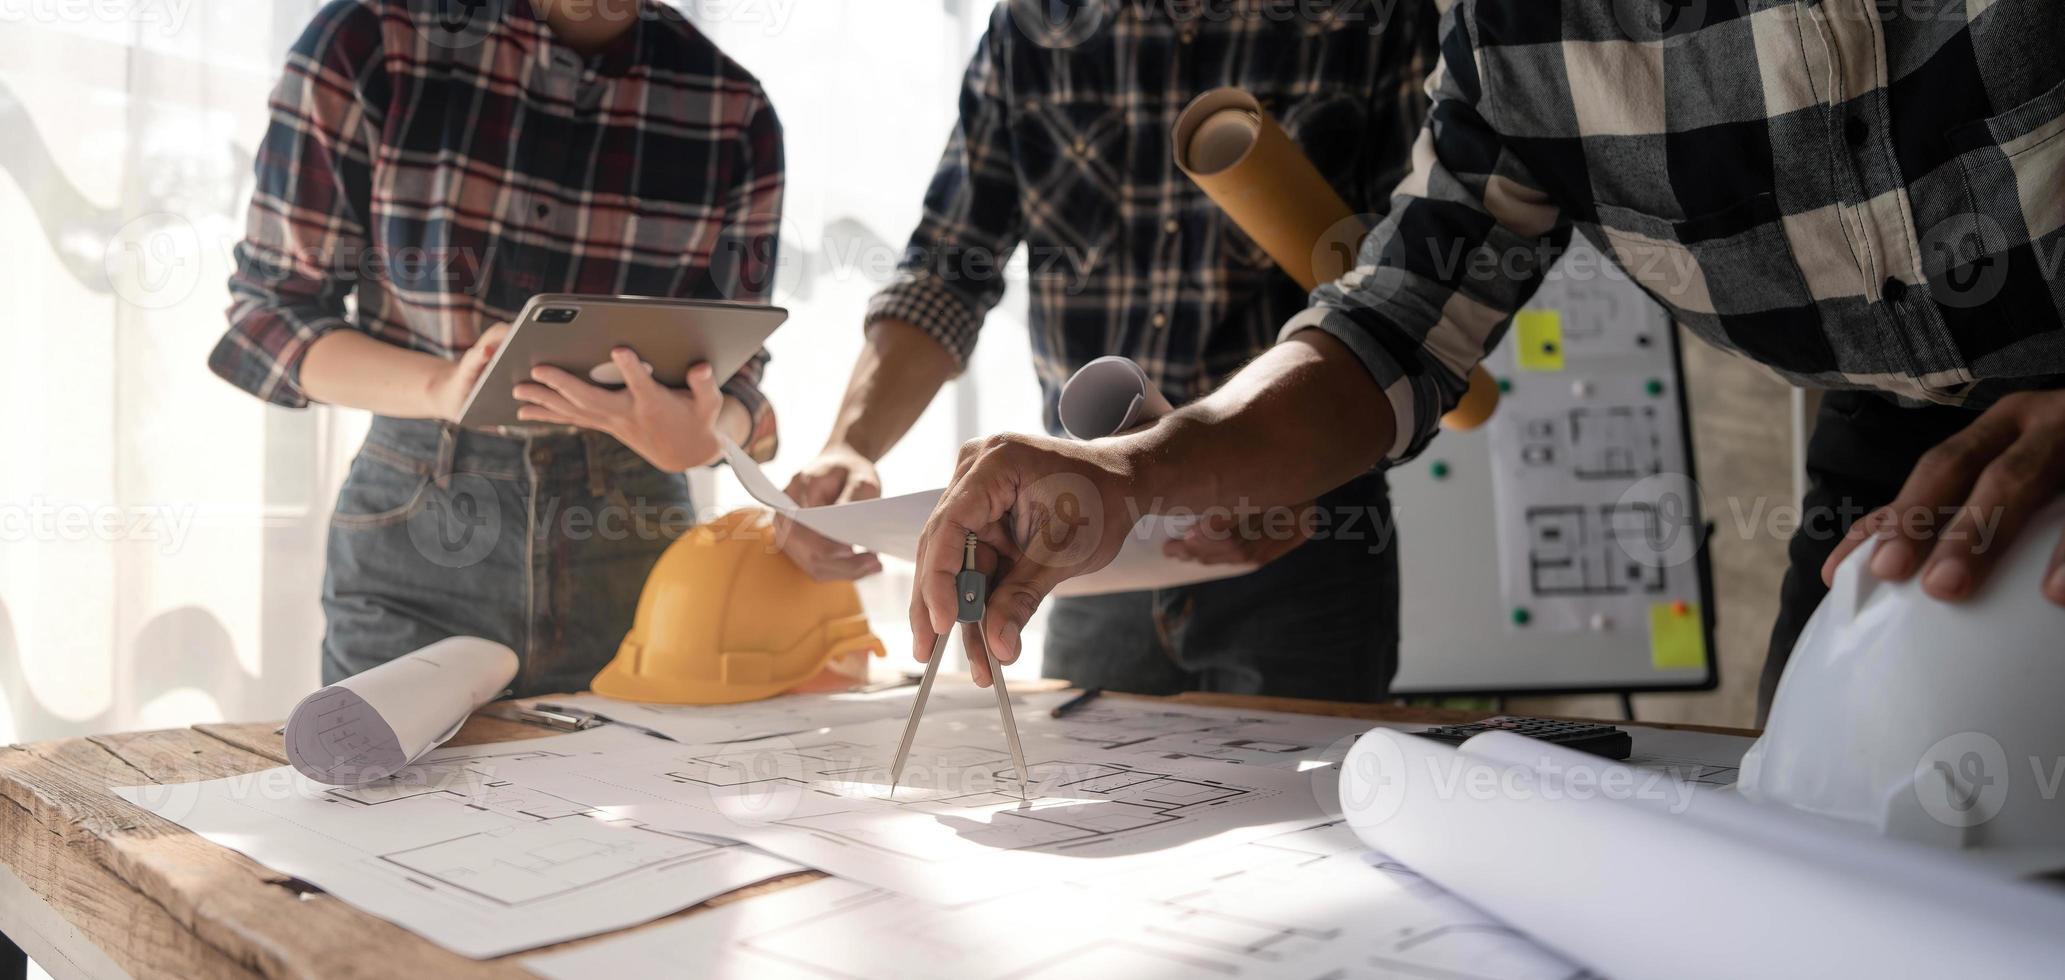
pixel 952 273
pixel 305 234
pixel 1464 246
pixel 746 259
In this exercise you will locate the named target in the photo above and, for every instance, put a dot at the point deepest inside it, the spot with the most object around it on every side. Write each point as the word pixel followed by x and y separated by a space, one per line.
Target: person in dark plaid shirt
pixel 437 164
pixel 1063 153
pixel 1861 196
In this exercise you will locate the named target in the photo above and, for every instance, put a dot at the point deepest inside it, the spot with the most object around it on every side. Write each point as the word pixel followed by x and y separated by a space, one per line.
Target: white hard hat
pixel 1927 721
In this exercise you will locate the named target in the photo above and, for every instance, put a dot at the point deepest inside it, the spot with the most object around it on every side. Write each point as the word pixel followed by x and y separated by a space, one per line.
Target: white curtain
pixel 161 534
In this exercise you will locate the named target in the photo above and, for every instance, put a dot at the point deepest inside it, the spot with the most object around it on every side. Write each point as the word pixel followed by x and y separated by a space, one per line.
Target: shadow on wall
pixel 183 669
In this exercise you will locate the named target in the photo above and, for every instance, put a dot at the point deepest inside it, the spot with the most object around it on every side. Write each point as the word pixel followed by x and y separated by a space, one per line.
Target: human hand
pixel 673 429
pixel 1253 536
pixel 453 383
pixel 1987 481
pixel 1044 510
pixel 838 475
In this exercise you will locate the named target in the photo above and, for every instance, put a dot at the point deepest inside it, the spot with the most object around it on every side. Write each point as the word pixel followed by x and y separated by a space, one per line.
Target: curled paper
pixel 373 725
pixel 1243 160
pixel 1108 396
pixel 1616 867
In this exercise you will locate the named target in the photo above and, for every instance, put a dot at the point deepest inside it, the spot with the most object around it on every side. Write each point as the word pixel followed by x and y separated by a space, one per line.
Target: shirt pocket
pixel 2011 164
pixel 1729 276
pixel 1073 166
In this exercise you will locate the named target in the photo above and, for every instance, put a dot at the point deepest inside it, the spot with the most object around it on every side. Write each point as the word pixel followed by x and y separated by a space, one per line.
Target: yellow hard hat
pixel 726 617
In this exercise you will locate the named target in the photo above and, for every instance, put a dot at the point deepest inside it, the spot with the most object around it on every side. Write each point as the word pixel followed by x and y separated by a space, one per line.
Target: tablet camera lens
pixel 558 314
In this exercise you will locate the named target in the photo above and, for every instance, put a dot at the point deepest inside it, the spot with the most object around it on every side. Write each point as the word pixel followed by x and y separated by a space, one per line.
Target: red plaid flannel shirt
pixel 441 163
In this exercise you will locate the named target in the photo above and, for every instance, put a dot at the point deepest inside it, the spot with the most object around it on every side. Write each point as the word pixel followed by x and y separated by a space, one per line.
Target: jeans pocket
pixel 378 494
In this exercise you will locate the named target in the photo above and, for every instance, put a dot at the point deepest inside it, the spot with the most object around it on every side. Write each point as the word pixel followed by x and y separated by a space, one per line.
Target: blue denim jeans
pixel 540 543
pixel 1320 622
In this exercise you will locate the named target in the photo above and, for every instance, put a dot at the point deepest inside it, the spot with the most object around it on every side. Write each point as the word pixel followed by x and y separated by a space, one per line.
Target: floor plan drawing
pixel 453 849
pixel 956 830
pixel 1308 903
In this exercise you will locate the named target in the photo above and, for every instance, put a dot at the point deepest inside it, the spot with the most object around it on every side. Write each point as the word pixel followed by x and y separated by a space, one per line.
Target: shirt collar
pixel 614 60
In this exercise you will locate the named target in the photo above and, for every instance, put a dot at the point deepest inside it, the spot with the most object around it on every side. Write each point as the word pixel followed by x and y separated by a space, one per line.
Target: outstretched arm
pixel 1360 379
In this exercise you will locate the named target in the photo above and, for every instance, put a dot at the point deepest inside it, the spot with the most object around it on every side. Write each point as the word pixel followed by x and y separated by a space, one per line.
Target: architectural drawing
pixel 453 849
pixel 1307 903
pixel 956 830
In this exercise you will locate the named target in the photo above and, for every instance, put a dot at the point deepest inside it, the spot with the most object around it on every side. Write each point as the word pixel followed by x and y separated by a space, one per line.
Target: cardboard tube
pixel 1247 164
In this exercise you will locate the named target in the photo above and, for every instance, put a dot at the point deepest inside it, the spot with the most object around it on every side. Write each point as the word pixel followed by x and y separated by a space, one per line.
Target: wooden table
pixel 91 886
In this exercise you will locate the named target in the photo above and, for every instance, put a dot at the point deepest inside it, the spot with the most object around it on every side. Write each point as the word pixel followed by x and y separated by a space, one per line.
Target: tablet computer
pixel 577 333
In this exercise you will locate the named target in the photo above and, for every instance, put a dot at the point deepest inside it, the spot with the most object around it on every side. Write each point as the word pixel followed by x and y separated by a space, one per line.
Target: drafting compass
pixel 971 588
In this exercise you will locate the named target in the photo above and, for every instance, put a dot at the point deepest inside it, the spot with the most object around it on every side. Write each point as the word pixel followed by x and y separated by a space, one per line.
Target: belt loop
pixel 447 447
pixel 598 475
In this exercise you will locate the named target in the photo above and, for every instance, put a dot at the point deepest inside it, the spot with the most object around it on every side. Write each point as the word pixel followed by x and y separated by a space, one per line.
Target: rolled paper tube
pixel 1108 396
pixel 1244 161
pixel 373 725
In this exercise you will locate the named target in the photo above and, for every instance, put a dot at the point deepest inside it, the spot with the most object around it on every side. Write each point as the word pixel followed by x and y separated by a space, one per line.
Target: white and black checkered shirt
pixel 1063 146
pixel 1855 193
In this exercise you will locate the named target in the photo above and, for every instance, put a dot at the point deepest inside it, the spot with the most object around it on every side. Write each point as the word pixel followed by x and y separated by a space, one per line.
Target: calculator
pixel 1600 740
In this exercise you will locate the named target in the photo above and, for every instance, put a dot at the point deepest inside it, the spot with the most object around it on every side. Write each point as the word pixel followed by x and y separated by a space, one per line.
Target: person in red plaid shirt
pixel 437 163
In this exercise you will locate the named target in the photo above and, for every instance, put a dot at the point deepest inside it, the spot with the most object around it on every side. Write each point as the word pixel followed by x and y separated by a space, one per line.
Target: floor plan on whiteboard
pixel 453 849
pixel 1310 903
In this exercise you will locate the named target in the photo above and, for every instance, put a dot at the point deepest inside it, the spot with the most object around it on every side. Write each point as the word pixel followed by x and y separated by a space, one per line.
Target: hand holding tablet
pixel 580 336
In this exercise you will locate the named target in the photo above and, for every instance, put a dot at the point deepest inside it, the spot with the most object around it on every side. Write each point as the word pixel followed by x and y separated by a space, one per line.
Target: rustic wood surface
pixel 158 901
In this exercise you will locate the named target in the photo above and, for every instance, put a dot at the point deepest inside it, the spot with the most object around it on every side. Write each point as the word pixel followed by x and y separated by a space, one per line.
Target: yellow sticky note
pixel 1676 637
pixel 1540 336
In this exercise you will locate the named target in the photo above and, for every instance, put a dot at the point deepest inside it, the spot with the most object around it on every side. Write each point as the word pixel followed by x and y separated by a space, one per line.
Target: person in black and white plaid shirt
pixel 1063 154
pixel 1863 196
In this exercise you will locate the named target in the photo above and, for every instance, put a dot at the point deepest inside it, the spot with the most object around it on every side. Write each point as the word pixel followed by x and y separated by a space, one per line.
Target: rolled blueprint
pixel 1108 396
pixel 1238 155
pixel 373 725
pixel 1637 875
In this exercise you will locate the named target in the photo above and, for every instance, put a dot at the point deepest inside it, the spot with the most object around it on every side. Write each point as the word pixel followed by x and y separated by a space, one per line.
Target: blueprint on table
pixel 956 830
pixel 457 852
pixel 1310 903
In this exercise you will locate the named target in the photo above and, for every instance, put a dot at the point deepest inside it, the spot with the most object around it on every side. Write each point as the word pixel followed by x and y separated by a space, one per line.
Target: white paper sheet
pixel 1642 879
pixel 891 525
pixel 457 852
pixel 370 725
pixel 1303 904
pixel 956 830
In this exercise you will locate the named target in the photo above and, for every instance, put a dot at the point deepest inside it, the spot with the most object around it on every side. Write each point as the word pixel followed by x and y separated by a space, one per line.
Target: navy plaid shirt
pixel 441 163
pixel 1063 145
pixel 1855 193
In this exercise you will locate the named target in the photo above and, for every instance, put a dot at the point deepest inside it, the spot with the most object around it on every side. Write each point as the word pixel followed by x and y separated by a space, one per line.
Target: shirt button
pixel 1082 147
pixel 1894 290
pixel 541 455
pixel 1856 131
pixel 543 210
pixel 1171 226
pixel 1159 320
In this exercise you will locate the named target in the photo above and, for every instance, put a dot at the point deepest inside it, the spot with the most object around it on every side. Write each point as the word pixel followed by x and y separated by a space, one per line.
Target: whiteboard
pixel 1560 547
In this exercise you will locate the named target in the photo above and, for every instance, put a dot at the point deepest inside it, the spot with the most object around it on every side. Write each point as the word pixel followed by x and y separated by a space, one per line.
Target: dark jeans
pixel 542 544
pixel 1320 622
pixel 1863 447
